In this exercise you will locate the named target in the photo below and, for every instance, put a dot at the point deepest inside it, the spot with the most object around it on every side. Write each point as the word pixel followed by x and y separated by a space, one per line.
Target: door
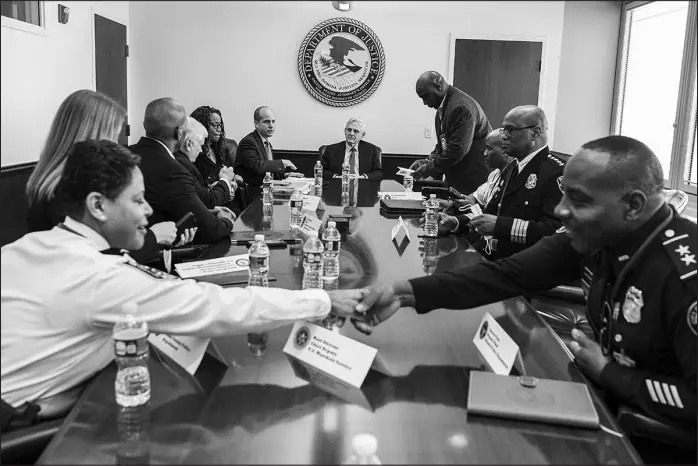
pixel 499 74
pixel 111 52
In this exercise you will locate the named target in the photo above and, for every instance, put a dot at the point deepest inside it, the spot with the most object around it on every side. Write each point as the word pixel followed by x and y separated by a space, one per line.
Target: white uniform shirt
pixel 61 296
pixel 483 194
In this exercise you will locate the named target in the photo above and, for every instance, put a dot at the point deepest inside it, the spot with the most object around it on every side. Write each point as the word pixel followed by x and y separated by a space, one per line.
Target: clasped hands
pixel 367 307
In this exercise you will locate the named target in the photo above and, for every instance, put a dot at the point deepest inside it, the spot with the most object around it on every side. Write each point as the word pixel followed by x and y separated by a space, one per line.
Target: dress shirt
pixel 347 158
pixel 163 145
pixel 529 157
pixel 61 296
pixel 267 146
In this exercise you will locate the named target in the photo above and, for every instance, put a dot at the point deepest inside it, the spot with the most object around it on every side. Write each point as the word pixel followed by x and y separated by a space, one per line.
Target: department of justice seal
pixel 341 62
pixel 302 337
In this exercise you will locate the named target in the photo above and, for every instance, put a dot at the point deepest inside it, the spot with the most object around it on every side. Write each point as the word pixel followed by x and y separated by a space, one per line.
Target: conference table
pixel 258 410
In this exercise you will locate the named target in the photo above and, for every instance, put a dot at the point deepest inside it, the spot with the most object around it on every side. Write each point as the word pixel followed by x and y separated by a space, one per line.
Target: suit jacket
pixel 527 211
pixel 219 194
pixel 171 193
pixel 251 161
pixel 461 133
pixel 369 160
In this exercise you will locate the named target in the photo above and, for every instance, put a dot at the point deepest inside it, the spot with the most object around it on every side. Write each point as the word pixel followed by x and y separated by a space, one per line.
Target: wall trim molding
pixel 11 170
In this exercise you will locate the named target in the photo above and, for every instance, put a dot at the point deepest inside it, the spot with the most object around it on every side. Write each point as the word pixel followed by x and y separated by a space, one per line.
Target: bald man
pixel 637 261
pixel 521 209
pixel 461 128
pixel 169 188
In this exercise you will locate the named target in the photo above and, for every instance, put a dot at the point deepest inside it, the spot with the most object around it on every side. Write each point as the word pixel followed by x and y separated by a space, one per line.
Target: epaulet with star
pixel 556 160
pixel 153 272
pixel 679 240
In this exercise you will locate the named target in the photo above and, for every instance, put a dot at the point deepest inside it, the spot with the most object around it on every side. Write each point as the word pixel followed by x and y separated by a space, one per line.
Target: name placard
pixel 310 223
pixel 404 171
pixel 331 353
pixel 213 266
pixel 401 196
pixel 186 351
pixel 310 203
pixel 495 346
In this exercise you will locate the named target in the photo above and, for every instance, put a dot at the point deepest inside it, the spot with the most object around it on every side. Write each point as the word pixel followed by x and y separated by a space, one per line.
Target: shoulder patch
pixel 679 241
pixel 559 162
pixel 155 273
pixel 692 317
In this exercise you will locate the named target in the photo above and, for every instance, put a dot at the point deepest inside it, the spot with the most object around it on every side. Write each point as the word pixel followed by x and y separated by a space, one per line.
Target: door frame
pixel 97 9
pixel 503 37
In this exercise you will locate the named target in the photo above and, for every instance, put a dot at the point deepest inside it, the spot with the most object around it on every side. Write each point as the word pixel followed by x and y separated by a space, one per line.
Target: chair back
pixel 321 150
pixel 231 148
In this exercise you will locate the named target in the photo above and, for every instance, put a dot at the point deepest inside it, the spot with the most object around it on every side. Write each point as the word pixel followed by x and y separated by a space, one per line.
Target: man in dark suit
pixel 366 165
pixel 222 191
pixel 169 188
pixel 461 129
pixel 255 156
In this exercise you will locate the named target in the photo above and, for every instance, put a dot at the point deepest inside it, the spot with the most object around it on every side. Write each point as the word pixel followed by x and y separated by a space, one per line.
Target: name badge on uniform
pixel 632 307
pixel 443 142
pixel 531 181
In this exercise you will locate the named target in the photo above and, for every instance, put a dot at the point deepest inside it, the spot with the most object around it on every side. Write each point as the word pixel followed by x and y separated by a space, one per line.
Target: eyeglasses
pixel 216 125
pixel 509 130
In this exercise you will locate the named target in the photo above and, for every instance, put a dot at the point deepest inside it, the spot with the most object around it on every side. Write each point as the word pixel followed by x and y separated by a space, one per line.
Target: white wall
pixel 587 73
pixel 39 71
pixel 237 56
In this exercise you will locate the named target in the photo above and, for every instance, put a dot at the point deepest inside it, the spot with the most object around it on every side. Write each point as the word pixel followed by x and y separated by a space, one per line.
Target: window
pixel 29 12
pixel 656 82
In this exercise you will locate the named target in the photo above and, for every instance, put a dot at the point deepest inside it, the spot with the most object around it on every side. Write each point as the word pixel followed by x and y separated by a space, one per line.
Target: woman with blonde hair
pixel 82 116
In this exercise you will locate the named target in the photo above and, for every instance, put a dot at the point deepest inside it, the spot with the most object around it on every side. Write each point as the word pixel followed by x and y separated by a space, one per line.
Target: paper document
pixel 310 203
pixel 186 351
pixel 404 171
pixel 401 196
pixel 213 266
pixel 475 210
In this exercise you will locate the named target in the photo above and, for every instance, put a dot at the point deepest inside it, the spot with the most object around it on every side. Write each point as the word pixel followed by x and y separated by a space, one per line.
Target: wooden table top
pixel 261 412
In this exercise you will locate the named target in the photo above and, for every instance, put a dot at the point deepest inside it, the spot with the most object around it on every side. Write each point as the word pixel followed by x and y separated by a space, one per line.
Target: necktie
pixel 352 161
pixel 268 147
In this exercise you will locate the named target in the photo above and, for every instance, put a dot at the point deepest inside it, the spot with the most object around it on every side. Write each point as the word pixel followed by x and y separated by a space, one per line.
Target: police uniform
pixel 61 297
pixel 641 305
pixel 524 204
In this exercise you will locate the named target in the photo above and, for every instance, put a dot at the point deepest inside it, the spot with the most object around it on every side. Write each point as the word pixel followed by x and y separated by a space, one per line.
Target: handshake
pixel 368 307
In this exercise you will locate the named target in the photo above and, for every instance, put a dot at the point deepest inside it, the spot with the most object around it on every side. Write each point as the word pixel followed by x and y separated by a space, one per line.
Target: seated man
pixel 255 156
pixel 222 191
pixel 520 210
pixel 169 188
pixel 637 262
pixel 364 158
pixel 68 320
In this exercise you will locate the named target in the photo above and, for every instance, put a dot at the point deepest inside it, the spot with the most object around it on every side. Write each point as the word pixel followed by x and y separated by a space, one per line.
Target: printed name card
pixel 310 203
pixel 186 351
pixel 401 196
pixel 495 346
pixel 213 266
pixel 310 223
pixel 404 171
pixel 331 353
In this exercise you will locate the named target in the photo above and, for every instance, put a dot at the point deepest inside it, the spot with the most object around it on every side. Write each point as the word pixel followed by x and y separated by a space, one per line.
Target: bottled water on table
pixel 296 206
pixel 431 248
pixel 318 179
pixel 431 223
pixel 130 334
pixel 259 276
pixel 364 448
pixel 408 182
pixel 312 262
pixel 345 173
pixel 331 241
pixel 268 193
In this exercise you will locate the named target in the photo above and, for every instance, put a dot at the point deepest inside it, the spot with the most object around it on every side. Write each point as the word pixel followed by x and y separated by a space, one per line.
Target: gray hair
pixel 361 123
pixel 194 129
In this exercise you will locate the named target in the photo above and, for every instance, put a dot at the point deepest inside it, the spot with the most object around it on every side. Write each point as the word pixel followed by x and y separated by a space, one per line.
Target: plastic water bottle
pixel 318 179
pixel 431 223
pixel 296 206
pixel 132 384
pixel 267 194
pixel 312 262
pixel 331 241
pixel 408 182
pixel 345 173
pixel 259 270
pixel 364 448
pixel 431 248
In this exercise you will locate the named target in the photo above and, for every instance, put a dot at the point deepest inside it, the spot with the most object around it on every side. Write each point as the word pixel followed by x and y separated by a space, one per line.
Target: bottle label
pixel 131 348
pixel 311 257
pixel 296 204
pixel 331 245
pixel 260 263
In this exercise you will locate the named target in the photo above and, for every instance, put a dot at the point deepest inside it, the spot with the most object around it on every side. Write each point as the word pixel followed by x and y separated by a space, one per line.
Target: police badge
pixel 632 307
pixel 443 142
pixel 531 181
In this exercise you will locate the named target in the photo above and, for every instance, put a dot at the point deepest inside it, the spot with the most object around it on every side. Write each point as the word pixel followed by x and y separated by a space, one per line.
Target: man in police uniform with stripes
pixel 637 259
pixel 521 208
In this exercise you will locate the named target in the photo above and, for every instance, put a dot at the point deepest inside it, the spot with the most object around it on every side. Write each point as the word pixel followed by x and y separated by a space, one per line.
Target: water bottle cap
pixel 129 308
pixel 332 224
pixel 312 234
pixel 432 196
pixel 364 444
pixel 259 237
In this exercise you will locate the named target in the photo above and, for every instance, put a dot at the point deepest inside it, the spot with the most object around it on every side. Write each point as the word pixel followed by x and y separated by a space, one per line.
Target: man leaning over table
pixel 61 295
pixel 363 157
pixel 637 261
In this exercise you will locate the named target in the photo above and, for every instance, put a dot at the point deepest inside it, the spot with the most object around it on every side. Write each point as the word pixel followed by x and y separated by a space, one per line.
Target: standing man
pixel 461 129
pixel 255 156
pixel 364 158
